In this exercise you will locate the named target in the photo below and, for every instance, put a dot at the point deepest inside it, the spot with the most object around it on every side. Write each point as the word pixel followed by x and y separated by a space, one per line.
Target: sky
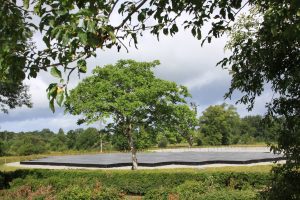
pixel 183 60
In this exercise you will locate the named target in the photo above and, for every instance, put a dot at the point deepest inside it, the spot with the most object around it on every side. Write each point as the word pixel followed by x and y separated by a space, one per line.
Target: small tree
pixel 130 95
pixel 219 123
pixel 186 122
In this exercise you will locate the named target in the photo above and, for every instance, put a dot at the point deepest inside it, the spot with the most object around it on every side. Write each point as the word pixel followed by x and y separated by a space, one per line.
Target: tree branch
pixel 130 14
pixel 112 9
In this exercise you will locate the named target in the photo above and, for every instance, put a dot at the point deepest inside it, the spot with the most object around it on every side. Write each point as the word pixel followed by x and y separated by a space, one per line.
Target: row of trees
pixel 219 125
pixel 26 143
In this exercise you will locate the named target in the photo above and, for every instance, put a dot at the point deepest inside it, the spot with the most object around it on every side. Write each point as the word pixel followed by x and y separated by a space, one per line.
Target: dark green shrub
pixel 228 195
pixel 120 142
pixel 2 149
pixel 163 143
pixel 2 182
pixel 191 190
pixel 199 141
pixel 157 194
pixel 75 193
pixel 107 194
pixel 285 184
pixel 82 193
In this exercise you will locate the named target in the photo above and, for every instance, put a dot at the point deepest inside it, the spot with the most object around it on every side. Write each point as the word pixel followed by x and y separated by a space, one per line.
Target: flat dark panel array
pixel 157 159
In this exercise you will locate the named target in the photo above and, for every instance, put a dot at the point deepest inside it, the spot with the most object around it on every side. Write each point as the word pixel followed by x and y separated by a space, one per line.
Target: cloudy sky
pixel 183 60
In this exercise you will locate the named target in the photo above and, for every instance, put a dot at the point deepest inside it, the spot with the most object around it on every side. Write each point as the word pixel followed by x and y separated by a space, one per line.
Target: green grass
pixel 185 145
pixel 5 168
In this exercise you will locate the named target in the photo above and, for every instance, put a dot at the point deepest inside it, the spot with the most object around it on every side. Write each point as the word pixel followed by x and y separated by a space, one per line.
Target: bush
pixel 75 193
pixel 2 182
pixel 229 195
pixel 82 193
pixel 120 142
pixel 191 190
pixel 136 182
pixel 163 143
pixel 157 194
pixel 195 190
pixel 285 184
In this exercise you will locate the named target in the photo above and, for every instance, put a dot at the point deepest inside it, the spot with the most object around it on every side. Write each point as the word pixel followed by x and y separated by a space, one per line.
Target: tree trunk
pixel 190 141
pixel 101 145
pixel 132 148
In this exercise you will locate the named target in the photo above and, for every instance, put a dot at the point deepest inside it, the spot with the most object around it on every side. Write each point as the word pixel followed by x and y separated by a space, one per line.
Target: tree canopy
pixel 72 30
pixel 219 124
pixel 266 49
pixel 15 34
pixel 129 94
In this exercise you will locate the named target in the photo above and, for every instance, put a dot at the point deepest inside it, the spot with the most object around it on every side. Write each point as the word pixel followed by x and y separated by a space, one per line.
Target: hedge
pixel 130 182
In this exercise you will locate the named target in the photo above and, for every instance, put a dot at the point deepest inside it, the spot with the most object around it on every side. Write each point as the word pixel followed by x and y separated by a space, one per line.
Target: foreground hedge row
pixel 64 184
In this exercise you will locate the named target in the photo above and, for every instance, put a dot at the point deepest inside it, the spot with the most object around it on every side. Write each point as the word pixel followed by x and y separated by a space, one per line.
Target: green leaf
pixel 52 23
pixel 209 39
pixel 47 41
pixel 231 16
pixel 60 98
pixel 223 13
pixel 82 37
pixel 53 91
pixel 165 31
pixel 112 36
pixel 81 64
pixel 174 28
pixel 55 72
pixel 91 26
pixel 26 3
pixel 142 16
pixel 194 31
pixel 51 105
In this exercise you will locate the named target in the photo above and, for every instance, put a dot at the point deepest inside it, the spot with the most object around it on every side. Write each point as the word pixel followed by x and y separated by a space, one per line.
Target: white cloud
pixel 54 123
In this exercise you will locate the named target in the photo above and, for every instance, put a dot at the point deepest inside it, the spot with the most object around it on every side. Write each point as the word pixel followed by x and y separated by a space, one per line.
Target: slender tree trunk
pixel 190 141
pixel 132 148
pixel 101 145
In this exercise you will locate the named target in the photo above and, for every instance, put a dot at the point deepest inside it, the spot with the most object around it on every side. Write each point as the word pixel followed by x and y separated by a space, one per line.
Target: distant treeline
pixel 218 125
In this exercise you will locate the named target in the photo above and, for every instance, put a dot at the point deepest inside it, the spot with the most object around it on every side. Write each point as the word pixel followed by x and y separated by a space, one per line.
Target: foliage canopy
pixel 131 96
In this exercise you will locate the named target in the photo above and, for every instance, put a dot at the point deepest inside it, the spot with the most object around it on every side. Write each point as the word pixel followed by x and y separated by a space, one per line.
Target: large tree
pixel 265 49
pixel 130 95
pixel 219 124
pixel 15 34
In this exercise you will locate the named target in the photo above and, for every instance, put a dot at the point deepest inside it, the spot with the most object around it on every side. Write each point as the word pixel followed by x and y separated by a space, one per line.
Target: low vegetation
pixel 146 184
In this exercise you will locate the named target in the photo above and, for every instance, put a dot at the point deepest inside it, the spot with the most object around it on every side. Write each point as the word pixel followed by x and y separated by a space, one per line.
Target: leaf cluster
pixel 127 92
